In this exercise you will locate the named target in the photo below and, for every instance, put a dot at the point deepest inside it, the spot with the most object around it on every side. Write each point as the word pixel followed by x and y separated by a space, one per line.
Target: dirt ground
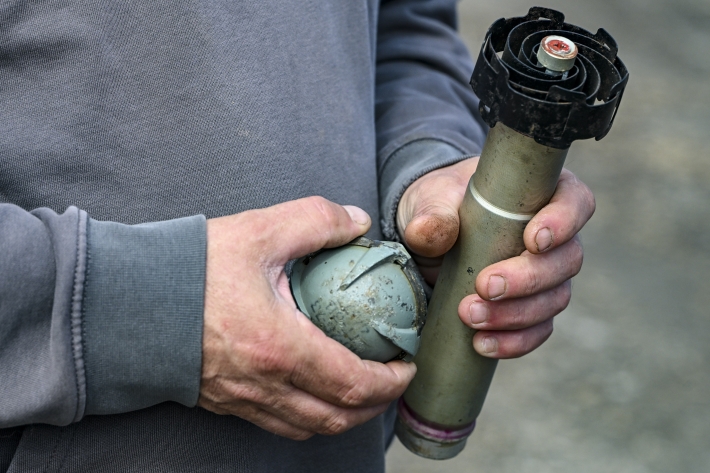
pixel 623 385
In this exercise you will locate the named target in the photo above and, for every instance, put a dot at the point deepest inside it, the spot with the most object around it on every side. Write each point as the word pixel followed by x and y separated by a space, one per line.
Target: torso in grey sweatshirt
pixel 163 113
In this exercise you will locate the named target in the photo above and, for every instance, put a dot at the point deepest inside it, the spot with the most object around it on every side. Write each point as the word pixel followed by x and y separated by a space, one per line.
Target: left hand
pixel 516 299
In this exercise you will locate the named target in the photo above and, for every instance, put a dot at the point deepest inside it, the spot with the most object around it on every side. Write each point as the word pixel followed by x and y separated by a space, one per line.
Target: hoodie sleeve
pixel 426 113
pixel 97 317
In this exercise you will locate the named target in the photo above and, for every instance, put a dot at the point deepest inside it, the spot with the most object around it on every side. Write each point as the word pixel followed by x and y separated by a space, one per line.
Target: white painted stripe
pixel 497 210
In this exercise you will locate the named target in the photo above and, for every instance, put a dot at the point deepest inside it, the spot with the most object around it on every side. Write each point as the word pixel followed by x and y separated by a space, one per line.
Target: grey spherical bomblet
pixel 367 295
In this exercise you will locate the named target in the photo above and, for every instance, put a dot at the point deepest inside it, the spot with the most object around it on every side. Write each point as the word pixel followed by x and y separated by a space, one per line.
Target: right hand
pixel 263 360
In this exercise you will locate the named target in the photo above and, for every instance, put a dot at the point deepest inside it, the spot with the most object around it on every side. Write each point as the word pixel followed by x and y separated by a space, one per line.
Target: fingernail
pixel 489 345
pixel 496 286
pixel 478 312
pixel 358 215
pixel 543 239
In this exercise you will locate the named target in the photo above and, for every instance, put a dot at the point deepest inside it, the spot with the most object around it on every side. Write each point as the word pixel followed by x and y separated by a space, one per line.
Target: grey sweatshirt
pixel 122 126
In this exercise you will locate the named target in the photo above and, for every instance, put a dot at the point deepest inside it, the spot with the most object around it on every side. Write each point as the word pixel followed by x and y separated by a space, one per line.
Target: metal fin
pixel 405 338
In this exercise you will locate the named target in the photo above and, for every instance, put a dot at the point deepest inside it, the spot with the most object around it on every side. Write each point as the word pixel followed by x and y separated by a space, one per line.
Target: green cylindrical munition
pixel 534 116
pixel 515 178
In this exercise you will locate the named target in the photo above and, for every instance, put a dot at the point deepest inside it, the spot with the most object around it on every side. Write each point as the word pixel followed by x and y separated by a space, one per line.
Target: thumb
pixel 306 225
pixel 428 213
pixel 433 229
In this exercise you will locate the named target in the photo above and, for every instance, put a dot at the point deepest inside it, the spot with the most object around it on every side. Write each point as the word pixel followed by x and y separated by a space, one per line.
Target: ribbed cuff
pixel 406 165
pixel 142 311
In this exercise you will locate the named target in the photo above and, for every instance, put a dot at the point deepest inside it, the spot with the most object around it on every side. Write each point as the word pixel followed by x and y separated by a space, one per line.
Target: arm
pixel 67 346
pixel 103 318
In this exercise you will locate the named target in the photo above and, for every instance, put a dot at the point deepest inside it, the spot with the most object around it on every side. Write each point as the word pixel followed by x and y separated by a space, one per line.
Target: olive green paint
pixel 517 177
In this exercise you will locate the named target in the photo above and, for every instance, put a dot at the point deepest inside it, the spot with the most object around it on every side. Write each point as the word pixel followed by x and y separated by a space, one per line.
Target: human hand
pixel 516 299
pixel 263 360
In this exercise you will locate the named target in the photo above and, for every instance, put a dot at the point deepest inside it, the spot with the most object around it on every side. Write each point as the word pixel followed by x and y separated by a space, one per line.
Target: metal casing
pixel 367 295
pixel 515 178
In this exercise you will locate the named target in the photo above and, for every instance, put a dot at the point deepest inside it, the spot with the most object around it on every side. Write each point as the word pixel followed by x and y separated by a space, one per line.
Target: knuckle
pixel 562 297
pixel 527 340
pixel 576 256
pixel 565 295
pixel 353 393
pixel 256 415
pixel 335 424
pixel 324 209
pixel 353 396
pixel 324 217
pixel 588 198
pixel 548 328
pixel 268 356
pixel 301 436
pixel 241 394
pixel 513 347
pixel 544 332
pixel 533 282
pixel 517 317
pixel 267 421
pixel 538 336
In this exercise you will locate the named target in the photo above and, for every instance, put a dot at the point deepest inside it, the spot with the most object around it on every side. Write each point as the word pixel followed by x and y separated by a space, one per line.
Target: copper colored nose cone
pixel 557 53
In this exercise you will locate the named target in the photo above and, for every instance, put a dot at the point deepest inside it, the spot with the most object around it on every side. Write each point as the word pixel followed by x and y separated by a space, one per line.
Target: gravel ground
pixel 623 385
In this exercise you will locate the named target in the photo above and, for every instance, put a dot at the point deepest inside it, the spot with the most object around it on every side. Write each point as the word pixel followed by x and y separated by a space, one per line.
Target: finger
pixel 328 370
pixel 296 228
pixel 305 411
pixel 514 314
pixel 273 424
pixel 251 412
pixel 530 274
pixel 512 344
pixel 571 206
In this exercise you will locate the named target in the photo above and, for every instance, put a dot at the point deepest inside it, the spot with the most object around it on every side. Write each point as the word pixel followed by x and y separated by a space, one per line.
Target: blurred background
pixel 623 385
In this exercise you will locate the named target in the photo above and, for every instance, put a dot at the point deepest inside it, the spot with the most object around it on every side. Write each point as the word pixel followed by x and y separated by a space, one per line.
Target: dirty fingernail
pixel 358 215
pixel 543 239
pixel 488 345
pixel 478 312
pixel 496 286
